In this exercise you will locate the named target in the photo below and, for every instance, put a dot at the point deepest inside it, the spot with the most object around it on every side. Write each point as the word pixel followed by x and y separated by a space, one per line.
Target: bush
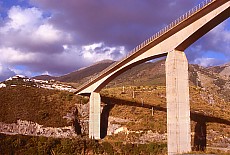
pixel 19 144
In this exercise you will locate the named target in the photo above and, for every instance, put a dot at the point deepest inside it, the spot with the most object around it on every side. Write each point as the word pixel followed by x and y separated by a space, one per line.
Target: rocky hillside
pixel 223 70
pixel 215 79
pixel 153 74
pixel 133 105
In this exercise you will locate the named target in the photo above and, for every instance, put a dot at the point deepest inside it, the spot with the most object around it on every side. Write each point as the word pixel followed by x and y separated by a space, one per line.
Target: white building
pixel 2 85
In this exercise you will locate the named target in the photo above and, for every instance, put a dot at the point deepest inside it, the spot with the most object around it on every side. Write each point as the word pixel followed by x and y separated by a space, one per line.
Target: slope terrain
pixel 46 107
pixel 79 76
pixel 134 104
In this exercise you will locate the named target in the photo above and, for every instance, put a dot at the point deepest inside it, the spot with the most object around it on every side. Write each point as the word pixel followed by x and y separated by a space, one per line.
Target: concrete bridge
pixel 171 41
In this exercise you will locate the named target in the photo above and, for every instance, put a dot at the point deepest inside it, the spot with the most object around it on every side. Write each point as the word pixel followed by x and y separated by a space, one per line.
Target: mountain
pixel 44 77
pixel 79 75
pixel 223 70
pixel 214 79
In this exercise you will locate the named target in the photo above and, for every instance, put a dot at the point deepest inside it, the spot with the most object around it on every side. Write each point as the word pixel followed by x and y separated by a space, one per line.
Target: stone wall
pixel 34 129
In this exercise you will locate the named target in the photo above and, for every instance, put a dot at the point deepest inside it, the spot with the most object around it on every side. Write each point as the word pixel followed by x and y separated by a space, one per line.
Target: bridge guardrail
pixel 170 26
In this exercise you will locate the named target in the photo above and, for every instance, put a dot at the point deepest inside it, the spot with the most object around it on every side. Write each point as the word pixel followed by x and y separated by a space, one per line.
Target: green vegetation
pixel 19 144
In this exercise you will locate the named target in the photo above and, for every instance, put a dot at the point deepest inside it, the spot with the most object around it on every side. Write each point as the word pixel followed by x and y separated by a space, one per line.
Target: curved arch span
pixel 177 36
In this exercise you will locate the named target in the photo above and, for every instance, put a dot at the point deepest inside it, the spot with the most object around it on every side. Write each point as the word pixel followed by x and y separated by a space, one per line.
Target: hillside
pixel 82 75
pixel 223 70
pixel 153 74
pixel 133 104
pixel 143 117
pixel 44 77
pixel 79 76
pixel 46 107
pixel 214 79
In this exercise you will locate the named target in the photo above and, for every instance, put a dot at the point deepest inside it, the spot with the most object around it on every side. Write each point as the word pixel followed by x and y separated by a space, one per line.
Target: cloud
pixel 218 39
pixel 216 42
pixel 5 73
pixel 28 30
pixel 22 72
pixel 116 23
pixel 57 37
pixel 13 56
pixel 30 39
pixel 206 62
pixel 27 18
pixel 98 52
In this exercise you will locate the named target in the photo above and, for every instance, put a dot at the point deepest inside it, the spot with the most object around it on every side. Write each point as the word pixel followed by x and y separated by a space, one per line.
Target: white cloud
pixel 213 48
pixel 206 62
pixel 22 72
pixel 5 72
pixel 27 29
pixel 221 33
pixel 23 18
pixel 98 51
pixel 48 34
pixel 28 39
pixel 61 41
pixel 45 73
pixel 218 39
pixel 10 55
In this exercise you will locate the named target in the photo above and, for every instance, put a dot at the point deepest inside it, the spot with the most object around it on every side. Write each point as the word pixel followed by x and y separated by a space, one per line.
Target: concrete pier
pixel 94 115
pixel 178 108
pixel 179 35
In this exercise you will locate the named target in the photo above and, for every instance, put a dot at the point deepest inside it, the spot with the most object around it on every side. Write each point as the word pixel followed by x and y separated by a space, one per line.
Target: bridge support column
pixel 178 108
pixel 94 115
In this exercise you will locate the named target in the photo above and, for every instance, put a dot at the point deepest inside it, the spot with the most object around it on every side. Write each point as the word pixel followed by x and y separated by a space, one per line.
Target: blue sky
pixel 56 37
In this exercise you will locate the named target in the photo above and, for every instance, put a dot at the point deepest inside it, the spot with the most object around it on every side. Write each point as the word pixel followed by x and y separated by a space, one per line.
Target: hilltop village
pixel 28 82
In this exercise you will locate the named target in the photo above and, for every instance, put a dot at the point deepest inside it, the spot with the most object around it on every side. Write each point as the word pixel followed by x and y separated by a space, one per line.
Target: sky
pixel 55 37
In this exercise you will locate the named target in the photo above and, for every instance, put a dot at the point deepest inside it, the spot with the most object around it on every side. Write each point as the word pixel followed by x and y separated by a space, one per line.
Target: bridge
pixel 171 41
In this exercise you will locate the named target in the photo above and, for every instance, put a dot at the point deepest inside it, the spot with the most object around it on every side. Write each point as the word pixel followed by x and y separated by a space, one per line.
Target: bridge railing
pixel 170 26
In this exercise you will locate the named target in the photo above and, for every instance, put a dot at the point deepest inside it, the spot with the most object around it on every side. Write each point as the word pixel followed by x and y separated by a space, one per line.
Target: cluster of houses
pixel 47 84
pixel 2 85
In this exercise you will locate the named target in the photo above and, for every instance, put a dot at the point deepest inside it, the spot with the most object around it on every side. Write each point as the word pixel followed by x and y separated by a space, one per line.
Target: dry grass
pixel 46 107
pixel 204 106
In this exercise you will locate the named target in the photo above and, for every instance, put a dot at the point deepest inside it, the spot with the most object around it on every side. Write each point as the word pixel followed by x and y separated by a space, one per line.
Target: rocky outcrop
pixel 34 129
pixel 151 136
pixel 83 117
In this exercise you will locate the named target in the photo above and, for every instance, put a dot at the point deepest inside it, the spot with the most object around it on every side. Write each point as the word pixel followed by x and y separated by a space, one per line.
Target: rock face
pixel 78 117
pixel 150 136
pixel 34 129
pixel 83 117
pixel 114 125
pixel 225 72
